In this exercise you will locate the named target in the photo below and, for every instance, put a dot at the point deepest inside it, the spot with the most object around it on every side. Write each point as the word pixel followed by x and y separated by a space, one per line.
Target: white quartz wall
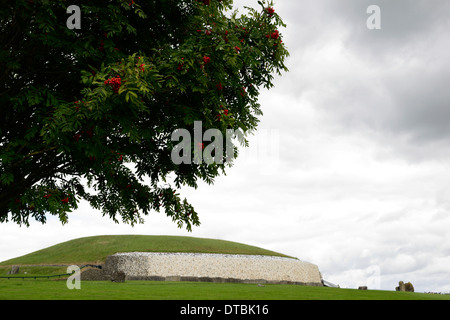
pixel 241 267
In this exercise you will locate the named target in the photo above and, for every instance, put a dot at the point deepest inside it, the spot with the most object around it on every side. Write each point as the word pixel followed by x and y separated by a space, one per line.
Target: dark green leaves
pixel 98 105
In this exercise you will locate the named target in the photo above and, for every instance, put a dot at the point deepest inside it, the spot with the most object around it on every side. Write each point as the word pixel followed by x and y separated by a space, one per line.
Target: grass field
pixel 16 289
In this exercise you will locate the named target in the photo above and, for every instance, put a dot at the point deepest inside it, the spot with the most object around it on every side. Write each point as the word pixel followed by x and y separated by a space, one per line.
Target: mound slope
pixel 96 249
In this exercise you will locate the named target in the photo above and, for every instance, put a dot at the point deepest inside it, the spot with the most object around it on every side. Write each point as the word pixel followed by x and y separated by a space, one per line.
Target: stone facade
pixel 408 287
pixel 93 274
pixel 212 268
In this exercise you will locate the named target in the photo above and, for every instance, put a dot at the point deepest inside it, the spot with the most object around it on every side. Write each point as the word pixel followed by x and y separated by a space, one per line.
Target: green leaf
pixel 6 178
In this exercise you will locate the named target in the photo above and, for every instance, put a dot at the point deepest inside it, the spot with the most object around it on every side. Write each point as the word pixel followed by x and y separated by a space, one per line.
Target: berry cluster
pixel 275 35
pixel 115 83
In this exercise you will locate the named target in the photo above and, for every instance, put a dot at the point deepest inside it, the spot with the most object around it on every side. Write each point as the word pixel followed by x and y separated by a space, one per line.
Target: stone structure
pixel 401 286
pixel 14 270
pixel 212 268
pixel 118 276
pixel 408 287
pixel 93 274
pixel 362 288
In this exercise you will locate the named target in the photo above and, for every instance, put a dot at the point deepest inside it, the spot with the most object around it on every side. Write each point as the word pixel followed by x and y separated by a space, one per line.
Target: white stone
pixel 242 267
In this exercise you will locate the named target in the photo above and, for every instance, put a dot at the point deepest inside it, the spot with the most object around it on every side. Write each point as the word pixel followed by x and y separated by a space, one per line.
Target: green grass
pixel 34 270
pixel 149 290
pixel 94 250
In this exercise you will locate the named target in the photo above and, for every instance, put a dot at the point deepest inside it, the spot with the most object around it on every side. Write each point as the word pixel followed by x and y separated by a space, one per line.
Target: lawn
pixel 28 289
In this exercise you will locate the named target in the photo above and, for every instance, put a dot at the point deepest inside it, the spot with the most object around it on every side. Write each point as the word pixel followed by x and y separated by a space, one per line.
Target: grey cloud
pixel 391 83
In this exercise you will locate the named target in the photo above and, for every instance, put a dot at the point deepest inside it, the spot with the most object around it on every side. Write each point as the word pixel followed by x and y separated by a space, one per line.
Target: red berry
pixel 115 83
pixel 77 137
pixel 275 35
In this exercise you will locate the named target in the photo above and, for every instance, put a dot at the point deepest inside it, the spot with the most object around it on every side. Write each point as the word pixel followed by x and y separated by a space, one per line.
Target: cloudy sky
pixel 351 167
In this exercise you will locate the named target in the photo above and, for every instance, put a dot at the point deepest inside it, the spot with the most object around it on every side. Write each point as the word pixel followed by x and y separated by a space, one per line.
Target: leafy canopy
pixel 87 114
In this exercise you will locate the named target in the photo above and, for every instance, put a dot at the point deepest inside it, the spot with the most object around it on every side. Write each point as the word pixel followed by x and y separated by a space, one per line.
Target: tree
pixel 87 113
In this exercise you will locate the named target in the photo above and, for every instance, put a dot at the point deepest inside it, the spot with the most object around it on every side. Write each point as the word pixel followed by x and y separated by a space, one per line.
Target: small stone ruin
pixel 14 270
pixel 406 287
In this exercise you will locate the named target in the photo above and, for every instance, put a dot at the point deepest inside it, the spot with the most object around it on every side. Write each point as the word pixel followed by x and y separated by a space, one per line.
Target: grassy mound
pixel 94 250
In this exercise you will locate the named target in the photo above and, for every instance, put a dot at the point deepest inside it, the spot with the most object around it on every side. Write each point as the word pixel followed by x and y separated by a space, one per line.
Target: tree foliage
pixel 87 114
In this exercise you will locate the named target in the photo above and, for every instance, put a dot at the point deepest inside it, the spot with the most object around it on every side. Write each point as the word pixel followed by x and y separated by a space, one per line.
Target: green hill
pixel 94 250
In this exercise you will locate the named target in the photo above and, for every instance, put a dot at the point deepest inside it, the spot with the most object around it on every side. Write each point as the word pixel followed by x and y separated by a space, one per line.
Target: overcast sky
pixel 351 167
